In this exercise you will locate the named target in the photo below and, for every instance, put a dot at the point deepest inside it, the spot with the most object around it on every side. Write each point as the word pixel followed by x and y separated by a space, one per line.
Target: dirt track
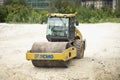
pixel 101 61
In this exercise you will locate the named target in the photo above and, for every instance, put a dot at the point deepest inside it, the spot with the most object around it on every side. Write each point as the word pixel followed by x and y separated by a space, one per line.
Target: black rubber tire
pixel 79 44
pixel 68 45
pixel 84 45
pixel 48 63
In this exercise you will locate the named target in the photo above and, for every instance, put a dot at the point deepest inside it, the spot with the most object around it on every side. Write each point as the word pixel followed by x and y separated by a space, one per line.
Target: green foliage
pixel 117 13
pixel 85 14
pixel 22 14
pixel 16 11
pixel 89 15
pixel 3 13
pixel 63 6
pixel 43 14
pixel 12 2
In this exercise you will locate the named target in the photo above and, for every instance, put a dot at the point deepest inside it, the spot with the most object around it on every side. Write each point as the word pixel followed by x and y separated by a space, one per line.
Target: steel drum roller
pixel 49 47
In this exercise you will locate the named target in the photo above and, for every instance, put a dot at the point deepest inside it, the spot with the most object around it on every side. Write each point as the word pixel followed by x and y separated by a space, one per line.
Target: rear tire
pixel 79 44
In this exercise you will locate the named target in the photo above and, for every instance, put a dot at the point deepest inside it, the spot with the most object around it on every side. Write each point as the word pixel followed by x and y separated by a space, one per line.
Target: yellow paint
pixel 78 34
pixel 61 15
pixel 65 55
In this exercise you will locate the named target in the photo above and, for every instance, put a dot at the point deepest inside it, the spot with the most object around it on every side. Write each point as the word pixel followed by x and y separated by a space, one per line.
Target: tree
pixel 63 6
pixel 78 3
pixel 3 13
pixel 12 2
pixel 117 11
pixel 118 4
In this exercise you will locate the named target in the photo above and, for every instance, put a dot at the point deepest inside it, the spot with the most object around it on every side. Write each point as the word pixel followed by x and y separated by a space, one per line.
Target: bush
pixel 84 14
pixel 15 11
pixel 63 6
pixel 43 14
pixel 89 15
pixel 117 13
pixel 3 13
pixel 23 14
pixel 12 2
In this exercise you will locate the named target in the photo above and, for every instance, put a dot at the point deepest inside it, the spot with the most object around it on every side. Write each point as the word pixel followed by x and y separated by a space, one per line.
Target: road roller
pixel 65 42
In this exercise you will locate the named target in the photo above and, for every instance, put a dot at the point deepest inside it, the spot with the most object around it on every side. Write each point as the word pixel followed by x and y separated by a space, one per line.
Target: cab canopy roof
pixel 61 15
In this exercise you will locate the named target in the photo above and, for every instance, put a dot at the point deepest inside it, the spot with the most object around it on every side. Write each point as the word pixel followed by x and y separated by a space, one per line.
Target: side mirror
pixel 77 23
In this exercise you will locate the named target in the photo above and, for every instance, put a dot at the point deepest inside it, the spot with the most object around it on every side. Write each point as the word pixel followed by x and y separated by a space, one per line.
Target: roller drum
pixel 49 47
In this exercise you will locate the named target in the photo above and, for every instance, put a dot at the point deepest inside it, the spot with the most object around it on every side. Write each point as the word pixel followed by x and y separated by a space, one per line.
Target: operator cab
pixel 61 27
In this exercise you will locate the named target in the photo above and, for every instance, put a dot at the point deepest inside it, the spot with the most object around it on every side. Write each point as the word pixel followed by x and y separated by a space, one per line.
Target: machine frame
pixel 66 54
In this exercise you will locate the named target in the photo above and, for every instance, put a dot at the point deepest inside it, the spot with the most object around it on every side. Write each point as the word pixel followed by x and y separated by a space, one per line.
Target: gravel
pixel 101 60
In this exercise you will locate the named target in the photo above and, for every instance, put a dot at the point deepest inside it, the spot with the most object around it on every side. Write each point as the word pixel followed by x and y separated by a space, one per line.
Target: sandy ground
pixel 101 61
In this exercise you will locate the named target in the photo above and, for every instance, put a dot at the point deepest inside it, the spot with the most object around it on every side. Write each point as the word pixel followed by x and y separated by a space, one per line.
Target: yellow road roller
pixel 65 42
